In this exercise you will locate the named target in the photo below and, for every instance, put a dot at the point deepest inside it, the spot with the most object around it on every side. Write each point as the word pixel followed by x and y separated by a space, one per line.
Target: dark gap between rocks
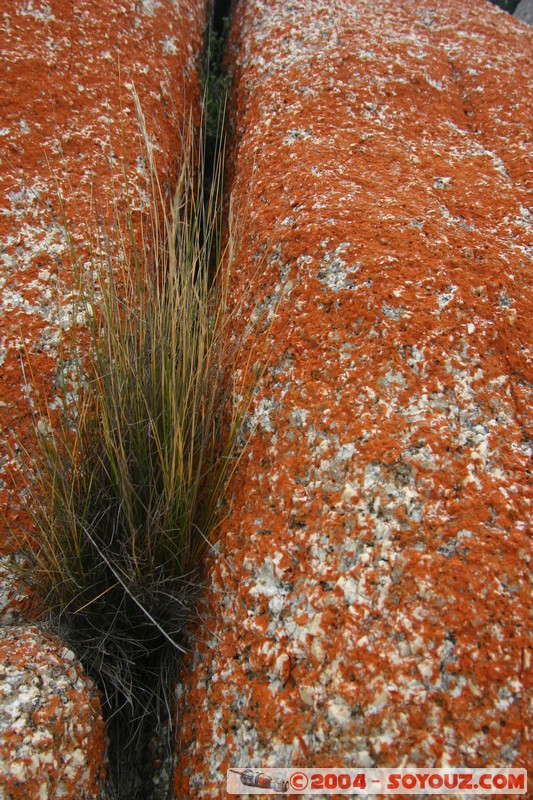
pixel 221 13
pixel 143 769
pixel 214 85
pixel 507 5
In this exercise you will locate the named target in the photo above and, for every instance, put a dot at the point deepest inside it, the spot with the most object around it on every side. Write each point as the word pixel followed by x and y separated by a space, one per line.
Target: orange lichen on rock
pixel 370 602
pixel 72 161
pixel 52 738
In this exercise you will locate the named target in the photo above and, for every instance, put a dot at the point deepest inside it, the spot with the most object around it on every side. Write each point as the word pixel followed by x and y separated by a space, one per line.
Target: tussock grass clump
pixel 125 487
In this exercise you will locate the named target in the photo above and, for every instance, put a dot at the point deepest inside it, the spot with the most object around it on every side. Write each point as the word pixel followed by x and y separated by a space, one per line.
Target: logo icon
pixel 250 777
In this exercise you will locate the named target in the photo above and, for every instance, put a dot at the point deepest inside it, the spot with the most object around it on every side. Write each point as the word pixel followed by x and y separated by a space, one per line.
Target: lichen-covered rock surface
pixel 51 729
pixel 71 158
pixel 370 602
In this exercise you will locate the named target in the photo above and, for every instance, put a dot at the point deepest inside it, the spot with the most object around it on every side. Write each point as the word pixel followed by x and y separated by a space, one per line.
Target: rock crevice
pixel 369 598
pixel 71 162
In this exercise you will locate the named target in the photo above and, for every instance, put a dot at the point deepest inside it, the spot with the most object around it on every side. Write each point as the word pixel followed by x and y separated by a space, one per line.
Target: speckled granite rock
pixel 68 128
pixel 51 730
pixel 370 605
pixel 524 11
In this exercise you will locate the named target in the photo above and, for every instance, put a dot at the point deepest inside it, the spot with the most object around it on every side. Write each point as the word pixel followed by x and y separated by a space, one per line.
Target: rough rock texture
pixel 370 605
pixel 68 137
pixel 68 129
pixel 524 11
pixel 51 730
